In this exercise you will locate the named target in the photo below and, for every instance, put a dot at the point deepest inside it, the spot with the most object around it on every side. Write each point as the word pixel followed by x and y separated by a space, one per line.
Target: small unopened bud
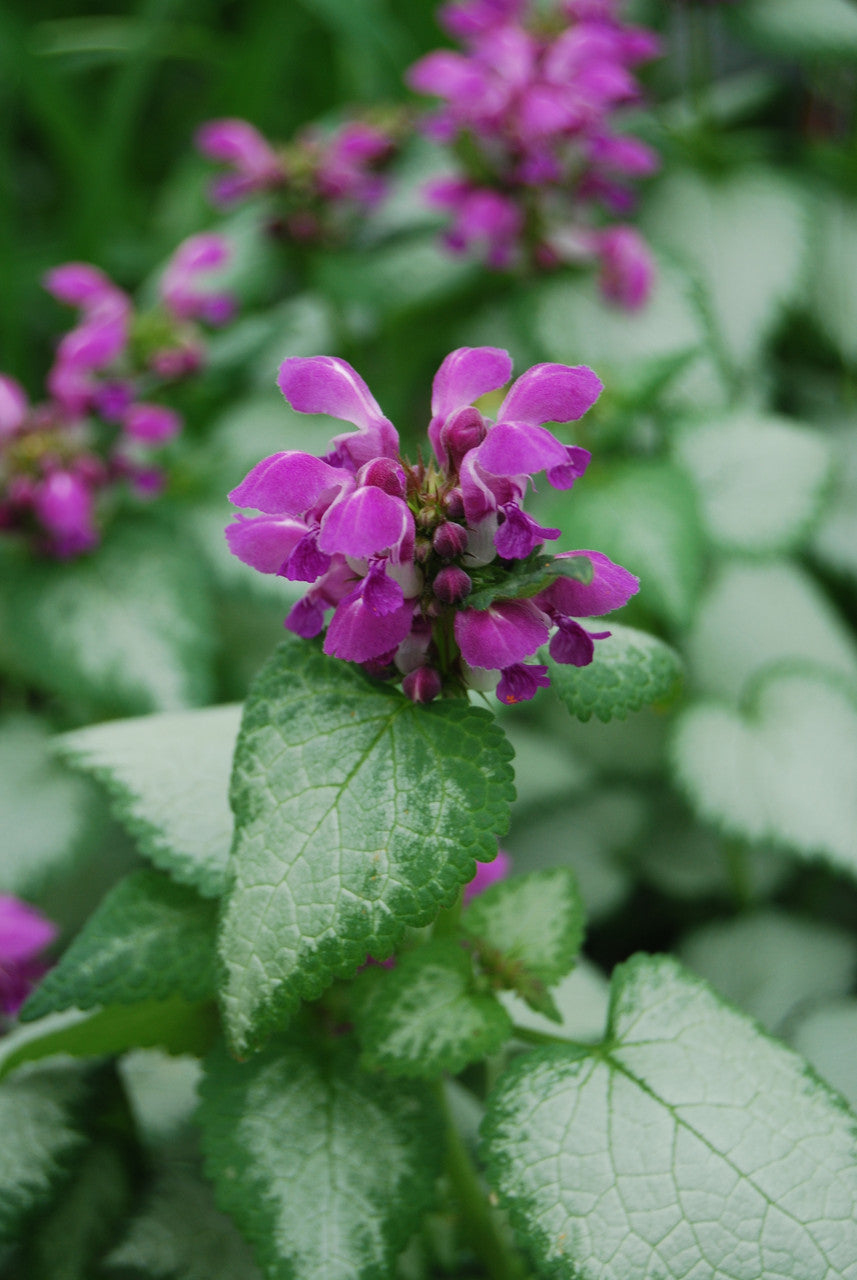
pixel 454 503
pixel 461 432
pixel 422 685
pixel 386 474
pixel 452 585
pixel 450 540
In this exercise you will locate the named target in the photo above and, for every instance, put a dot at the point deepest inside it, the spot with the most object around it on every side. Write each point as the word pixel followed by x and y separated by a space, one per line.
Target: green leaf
pixel 528 931
pixel 173 1024
pixel 325 1169
pixel 832 292
pixel 688 1144
pixel 581 999
pixel 38 1121
pixel 760 480
pixel 427 1016
pixel 125 629
pixel 50 817
pixel 149 939
pixel 632 350
pixel 770 963
pixel 744 238
pixel 782 772
pixel 395 278
pixel 824 29
pixel 826 1037
pixel 756 615
pixel 161 1092
pixel 630 669
pixel 643 515
pixel 181 1234
pixel 357 813
pixel 168 777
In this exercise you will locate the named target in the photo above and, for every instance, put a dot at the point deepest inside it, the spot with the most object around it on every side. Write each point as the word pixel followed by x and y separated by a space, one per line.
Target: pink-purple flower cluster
pixel 24 934
pixel 530 109
pixel 321 179
pixel 98 425
pixel 434 572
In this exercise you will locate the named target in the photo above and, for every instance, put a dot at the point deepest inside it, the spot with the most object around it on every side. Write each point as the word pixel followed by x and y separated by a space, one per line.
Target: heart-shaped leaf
pixel 783 771
pixel 629 670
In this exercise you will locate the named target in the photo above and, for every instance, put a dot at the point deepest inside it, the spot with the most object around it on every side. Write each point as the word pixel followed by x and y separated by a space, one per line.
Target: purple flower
pixel 488 873
pixel 13 406
pixel 24 934
pixel 627 268
pixel 255 164
pixel 186 286
pixel 529 110
pixel 411 558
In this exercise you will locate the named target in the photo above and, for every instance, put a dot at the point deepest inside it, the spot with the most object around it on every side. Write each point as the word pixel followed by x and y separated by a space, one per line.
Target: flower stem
pixel 480 1222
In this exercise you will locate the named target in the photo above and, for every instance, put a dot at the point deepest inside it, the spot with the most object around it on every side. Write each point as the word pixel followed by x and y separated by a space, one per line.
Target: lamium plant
pixel 429 828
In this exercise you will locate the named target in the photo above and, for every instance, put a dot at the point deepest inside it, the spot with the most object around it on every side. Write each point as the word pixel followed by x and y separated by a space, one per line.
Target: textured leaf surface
pixel 168 776
pixel 755 615
pixel 326 1169
pixel 529 927
pixel 783 772
pixel 181 1233
pixel 49 815
pixel 149 939
pixel 38 1121
pixel 630 669
pixel 745 239
pixel 126 629
pixel 771 964
pixel 760 480
pixel 644 516
pixel 688 1145
pixel 426 1015
pixel 357 812
pixel 174 1024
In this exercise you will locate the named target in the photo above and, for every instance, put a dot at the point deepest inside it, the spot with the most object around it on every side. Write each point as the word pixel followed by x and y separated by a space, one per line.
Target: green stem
pixel 446 924
pixel 481 1225
pixel 530 1036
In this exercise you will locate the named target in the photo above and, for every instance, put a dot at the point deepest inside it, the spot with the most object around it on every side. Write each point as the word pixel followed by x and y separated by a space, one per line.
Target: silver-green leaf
pixel 168 777
pixel 326 1169
pixel 357 813
pixel 687 1145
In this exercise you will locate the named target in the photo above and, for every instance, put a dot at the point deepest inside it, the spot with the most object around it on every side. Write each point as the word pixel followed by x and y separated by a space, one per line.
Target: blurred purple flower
pixel 24 934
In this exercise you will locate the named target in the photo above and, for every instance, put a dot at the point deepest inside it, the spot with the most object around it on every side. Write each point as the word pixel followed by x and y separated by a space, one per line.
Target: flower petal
pixel 357 634
pixel 24 931
pixel 505 633
pixel 467 374
pixel 288 483
pixel 611 587
pixel 551 393
pixel 519 449
pixel 326 384
pixel 264 542
pixel 365 522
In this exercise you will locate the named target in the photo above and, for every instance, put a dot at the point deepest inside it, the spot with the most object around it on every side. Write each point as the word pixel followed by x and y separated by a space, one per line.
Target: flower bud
pixel 452 585
pixel 454 503
pixel 450 540
pixel 462 431
pixel 422 685
pixel 386 474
